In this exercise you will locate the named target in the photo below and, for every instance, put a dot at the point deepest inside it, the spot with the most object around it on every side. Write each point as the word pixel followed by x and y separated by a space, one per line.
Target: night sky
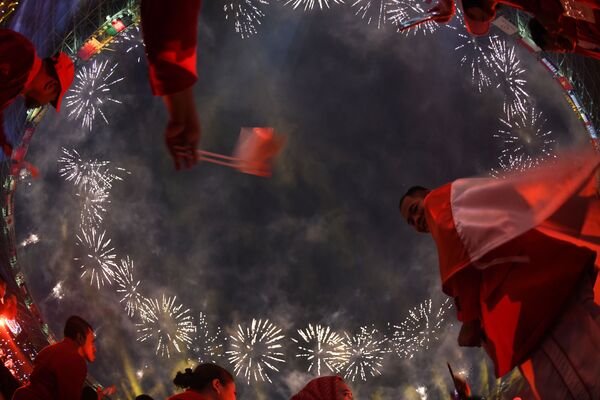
pixel 366 114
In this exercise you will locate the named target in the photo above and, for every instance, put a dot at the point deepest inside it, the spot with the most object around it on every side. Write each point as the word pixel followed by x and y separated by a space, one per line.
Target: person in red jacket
pixel 23 73
pixel 170 37
pixel 519 255
pixel 206 382
pixel 325 388
pixel 59 370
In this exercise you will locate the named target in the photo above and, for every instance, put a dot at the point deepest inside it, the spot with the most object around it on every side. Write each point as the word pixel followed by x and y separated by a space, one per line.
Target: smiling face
pixel 412 210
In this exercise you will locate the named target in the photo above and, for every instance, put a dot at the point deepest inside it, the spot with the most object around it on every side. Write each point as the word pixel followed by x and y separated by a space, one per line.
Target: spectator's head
pixel 89 393
pixel 325 388
pixel 477 15
pixel 51 82
pixel 546 40
pixel 79 330
pixel 412 208
pixel 143 397
pixel 212 381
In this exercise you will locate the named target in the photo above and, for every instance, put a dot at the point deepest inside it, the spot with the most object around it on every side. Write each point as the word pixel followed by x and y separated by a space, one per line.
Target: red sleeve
pixel 465 287
pixel 70 377
pixel 170 36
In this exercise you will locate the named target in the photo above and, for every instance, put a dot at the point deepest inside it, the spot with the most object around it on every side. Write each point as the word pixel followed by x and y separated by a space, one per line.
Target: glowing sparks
pixel 509 73
pixel 74 169
pixel 99 261
pixel 310 4
pixel 420 329
pixel 93 206
pixel 128 287
pixel 402 10
pixel 372 11
pixel 256 349
pixel 133 40
pixel 321 347
pixel 166 324
pixel 475 57
pixel 206 344
pixel 365 354
pixel 245 14
pixel 31 239
pixel 91 90
pixel 58 291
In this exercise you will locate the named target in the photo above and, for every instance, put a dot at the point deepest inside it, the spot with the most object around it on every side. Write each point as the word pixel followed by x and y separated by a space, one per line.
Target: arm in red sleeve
pixel 465 287
pixel 70 376
pixel 170 36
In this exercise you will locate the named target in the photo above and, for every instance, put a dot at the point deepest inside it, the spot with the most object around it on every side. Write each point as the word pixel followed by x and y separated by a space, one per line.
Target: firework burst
pixel 133 41
pixel 98 263
pixel 420 329
pixel 206 346
pixel 322 348
pixel 372 11
pixel 245 14
pixel 91 90
pixel 366 351
pixel 166 324
pixel 509 72
pixel 128 287
pixel 474 55
pixel 399 11
pixel 256 349
pixel 83 174
pixel 310 4
pixel 93 206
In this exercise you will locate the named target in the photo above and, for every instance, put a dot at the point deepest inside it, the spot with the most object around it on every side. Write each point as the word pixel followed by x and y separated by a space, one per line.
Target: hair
pixel 143 397
pixel 88 393
pixel 411 192
pixel 202 376
pixel 483 4
pixel 77 328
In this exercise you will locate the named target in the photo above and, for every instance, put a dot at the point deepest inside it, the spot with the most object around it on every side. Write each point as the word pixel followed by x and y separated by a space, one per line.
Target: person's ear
pixel 52 87
pixel 80 339
pixel 216 384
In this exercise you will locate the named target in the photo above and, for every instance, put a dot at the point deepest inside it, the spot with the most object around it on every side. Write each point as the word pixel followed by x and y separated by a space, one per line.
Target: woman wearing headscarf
pixel 325 388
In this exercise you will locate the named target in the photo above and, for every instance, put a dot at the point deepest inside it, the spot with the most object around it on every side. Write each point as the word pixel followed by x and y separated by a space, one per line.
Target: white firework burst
pixel 510 76
pixel 93 206
pixel 133 41
pixel 420 329
pixel 508 163
pixel 82 173
pixel 166 324
pixel 475 56
pixel 246 15
pixel 90 91
pixel 322 348
pixel 401 10
pixel 366 351
pixel 98 262
pixel 128 287
pixel 310 4
pixel 372 11
pixel 255 350
pixel 206 347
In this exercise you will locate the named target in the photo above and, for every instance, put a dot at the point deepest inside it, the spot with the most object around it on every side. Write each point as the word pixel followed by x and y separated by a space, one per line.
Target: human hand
pixel 182 133
pixel 471 334
pixel 109 391
pixel 443 11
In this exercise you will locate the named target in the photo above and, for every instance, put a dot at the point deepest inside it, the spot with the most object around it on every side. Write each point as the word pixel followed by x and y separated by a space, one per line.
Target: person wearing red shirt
pixel 519 257
pixel 170 37
pixel 59 370
pixel 325 388
pixel 23 73
pixel 206 382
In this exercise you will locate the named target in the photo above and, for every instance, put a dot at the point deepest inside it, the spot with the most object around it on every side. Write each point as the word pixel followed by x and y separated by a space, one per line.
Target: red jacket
pixel 170 37
pixel 59 373
pixel 18 65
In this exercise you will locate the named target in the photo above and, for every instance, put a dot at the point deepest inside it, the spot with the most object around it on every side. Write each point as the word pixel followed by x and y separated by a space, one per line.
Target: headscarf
pixel 323 388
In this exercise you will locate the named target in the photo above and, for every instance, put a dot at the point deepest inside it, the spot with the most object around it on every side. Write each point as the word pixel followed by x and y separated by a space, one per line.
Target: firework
pixel 166 324
pixel 365 354
pixel 83 174
pixel 91 90
pixel 206 346
pixel 99 261
pixel 372 11
pixel 322 347
pixel 475 56
pixel 401 10
pixel 245 14
pixel 31 239
pixel 509 72
pixel 127 287
pixel 310 4
pixel 58 291
pixel 133 41
pixel 420 329
pixel 93 202
pixel 256 350
pixel 508 163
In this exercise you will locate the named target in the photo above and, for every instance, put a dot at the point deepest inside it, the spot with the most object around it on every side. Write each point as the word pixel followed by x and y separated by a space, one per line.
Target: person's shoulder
pixel 8 35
